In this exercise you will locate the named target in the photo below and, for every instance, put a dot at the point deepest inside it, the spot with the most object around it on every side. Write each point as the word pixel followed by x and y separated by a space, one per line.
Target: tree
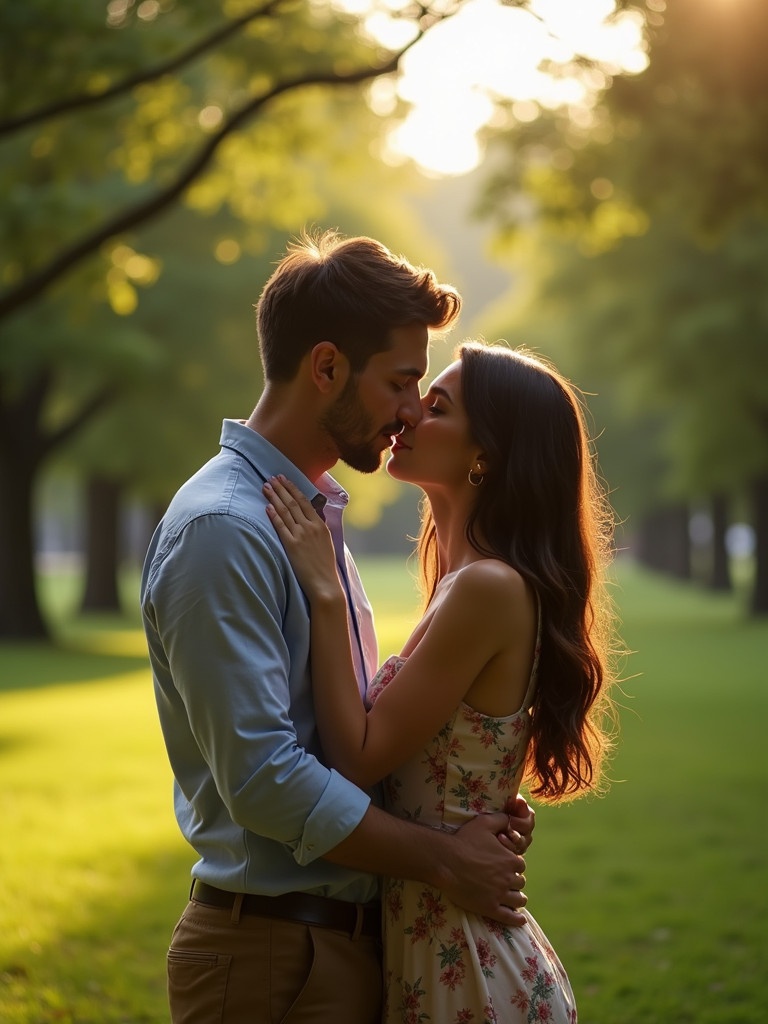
pixel 176 159
pixel 131 139
pixel 662 191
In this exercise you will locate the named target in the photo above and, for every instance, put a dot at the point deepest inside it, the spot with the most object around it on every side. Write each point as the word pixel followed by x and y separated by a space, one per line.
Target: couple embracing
pixel 336 804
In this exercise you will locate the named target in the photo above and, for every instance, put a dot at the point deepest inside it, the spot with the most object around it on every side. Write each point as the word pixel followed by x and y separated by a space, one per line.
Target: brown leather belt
pixel 354 918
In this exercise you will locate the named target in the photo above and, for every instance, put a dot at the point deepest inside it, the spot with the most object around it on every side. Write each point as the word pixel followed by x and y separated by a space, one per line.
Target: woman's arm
pixel 340 713
pixel 474 621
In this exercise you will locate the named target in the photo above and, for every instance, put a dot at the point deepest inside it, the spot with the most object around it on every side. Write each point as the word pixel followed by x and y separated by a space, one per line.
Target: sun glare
pixel 488 52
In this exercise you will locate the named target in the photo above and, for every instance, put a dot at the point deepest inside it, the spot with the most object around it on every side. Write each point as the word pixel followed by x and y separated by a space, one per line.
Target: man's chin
pixel 363 467
pixel 364 460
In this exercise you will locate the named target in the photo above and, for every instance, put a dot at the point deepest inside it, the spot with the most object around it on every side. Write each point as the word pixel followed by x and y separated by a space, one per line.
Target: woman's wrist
pixel 328 597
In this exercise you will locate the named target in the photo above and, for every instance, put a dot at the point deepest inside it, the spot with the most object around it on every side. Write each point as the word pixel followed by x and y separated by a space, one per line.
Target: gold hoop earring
pixel 475 478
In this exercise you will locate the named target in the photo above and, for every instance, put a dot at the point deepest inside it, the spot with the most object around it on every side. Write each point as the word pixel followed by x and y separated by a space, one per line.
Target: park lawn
pixel 654 896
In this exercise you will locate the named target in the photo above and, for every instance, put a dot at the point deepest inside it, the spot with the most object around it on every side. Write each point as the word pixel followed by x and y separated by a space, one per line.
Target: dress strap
pixel 528 700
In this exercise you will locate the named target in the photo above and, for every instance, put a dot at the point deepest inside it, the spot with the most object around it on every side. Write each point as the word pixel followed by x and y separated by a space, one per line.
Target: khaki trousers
pixel 255 970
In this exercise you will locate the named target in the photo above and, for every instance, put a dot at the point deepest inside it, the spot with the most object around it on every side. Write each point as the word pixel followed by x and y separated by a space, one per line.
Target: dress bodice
pixel 473 765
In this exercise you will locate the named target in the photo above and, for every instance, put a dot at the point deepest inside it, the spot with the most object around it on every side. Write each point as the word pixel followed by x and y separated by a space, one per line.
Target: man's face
pixel 376 404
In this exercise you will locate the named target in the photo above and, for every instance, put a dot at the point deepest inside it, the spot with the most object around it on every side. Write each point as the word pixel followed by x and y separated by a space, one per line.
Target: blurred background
pixel 592 175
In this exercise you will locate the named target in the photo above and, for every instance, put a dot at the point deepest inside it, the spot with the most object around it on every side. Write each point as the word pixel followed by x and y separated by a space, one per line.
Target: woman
pixel 505 679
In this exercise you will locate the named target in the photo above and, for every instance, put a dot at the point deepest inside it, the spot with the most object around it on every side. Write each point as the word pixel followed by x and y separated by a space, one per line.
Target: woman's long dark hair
pixel 541 509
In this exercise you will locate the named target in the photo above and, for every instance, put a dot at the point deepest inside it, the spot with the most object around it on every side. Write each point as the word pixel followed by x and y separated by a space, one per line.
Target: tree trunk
pixel 20 614
pixel 663 542
pixel 647 545
pixel 720 578
pixel 759 602
pixel 679 552
pixel 102 545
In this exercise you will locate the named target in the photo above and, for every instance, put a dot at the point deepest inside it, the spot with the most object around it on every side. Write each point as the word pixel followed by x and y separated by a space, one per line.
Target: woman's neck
pixel 453 548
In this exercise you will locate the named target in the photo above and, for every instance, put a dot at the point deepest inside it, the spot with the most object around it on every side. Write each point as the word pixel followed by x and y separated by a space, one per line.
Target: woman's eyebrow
pixel 441 392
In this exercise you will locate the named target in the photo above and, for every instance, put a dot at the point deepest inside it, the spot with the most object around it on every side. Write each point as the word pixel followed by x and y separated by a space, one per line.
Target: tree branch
pixel 17 415
pixel 36 283
pixel 102 399
pixel 84 100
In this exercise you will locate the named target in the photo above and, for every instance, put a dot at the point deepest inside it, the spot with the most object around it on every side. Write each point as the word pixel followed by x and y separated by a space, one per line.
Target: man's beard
pixel 347 424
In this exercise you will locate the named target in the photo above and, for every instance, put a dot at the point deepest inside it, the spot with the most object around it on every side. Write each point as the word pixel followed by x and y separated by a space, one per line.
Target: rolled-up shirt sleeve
pixel 223 603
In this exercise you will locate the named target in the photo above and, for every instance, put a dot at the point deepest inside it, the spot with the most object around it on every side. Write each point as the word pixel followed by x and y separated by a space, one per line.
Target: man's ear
pixel 329 368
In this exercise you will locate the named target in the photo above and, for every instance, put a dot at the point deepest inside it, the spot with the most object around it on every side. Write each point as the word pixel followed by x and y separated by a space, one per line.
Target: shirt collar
pixel 268 461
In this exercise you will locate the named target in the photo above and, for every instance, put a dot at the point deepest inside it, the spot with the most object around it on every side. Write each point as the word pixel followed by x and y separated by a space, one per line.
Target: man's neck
pixel 284 420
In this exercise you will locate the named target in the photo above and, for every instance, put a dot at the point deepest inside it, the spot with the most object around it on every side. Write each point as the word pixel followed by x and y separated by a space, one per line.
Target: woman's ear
pixel 477 470
pixel 329 368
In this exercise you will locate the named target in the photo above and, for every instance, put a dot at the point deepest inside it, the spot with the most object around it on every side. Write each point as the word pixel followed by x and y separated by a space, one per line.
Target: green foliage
pixel 77 170
pixel 697 115
pixel 671 336
pixel 649 217
pixel 202 361
pixel 108 330
pixel 687 135
pixel 120 121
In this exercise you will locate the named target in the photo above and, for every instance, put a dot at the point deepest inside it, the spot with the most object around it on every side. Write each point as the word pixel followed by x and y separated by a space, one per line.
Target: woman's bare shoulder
pixel 494 586
pixel 491 574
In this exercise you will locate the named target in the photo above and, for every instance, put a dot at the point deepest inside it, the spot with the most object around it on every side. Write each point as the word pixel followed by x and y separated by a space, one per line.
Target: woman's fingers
pixel 304 536
pixel 286 510
pixel 292 514
pixel 288 500
pixel 280 498
pixel 277 520
pixel 291 494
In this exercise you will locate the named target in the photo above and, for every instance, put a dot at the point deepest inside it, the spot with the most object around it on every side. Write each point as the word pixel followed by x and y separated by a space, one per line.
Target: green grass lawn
pixel 655 896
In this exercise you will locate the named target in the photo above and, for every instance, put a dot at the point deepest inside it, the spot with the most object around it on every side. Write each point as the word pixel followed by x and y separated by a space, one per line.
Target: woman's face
pixel 439 451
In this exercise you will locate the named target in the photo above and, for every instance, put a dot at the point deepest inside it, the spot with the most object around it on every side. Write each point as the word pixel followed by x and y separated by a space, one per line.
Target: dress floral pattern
pixel 443 965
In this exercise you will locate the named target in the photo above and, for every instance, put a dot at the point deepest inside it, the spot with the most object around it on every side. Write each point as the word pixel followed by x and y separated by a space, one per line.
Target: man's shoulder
pixel 226 484
pixel 217 512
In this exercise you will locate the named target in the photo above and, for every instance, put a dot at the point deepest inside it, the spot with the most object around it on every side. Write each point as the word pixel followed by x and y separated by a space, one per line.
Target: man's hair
pixel 350 291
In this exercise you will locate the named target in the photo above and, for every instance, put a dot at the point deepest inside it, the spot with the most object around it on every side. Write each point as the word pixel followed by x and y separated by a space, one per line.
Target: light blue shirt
pixel 228 632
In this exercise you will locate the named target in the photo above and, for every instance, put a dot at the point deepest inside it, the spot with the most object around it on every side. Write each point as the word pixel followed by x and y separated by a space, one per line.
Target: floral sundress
pixel 443 965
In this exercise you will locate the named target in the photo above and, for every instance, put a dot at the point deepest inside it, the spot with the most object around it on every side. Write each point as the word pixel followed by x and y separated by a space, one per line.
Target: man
pixel 282 923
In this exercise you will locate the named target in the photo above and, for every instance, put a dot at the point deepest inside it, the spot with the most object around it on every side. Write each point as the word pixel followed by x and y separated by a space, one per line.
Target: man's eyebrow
pixel 412 371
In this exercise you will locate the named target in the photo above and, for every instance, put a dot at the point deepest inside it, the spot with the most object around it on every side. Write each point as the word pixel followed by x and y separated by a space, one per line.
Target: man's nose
pixel 410 411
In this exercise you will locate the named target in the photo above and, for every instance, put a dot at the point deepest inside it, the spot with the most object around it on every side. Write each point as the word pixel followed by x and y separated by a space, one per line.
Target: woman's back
pixel 510 620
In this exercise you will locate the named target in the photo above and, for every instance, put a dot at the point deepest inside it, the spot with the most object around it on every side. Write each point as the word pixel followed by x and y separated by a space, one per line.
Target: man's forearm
pixel 385 845
pixel 475 867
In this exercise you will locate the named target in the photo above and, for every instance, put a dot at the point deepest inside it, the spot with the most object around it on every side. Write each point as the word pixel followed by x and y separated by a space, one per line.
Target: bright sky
pixel 489 50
